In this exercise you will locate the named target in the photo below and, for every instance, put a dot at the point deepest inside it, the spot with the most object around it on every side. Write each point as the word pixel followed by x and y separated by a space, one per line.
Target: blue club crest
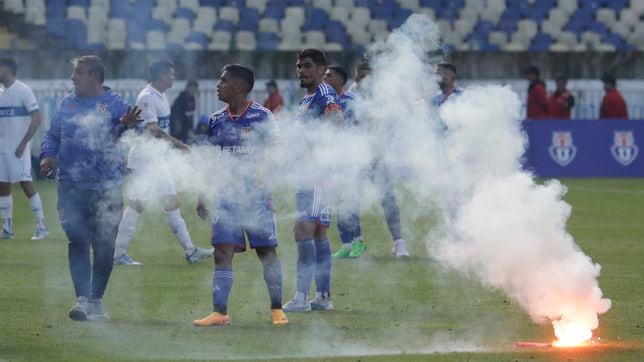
pixel 624 148
pixel 562 150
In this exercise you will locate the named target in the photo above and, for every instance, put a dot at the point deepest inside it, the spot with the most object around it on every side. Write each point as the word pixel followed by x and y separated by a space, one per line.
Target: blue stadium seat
pixel 185 13
pixel 384 10
pixel 297 3
pixel 83 3
pixel 154 24
pixel 335 33
pixel 76 33
pixel 434 4
pixel 226 25
pixel 136 31
pixel 211 3
pixel 249 20
pixel 274 11
pixel 540 43
pixel 267 41
pixel 399 18
pixel 120 9
pixel 316 20
pixel 507 26
pixel 199 38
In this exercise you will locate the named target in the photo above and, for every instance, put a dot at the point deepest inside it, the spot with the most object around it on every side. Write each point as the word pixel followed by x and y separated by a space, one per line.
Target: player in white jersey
pixel 150 176
pixel 19 121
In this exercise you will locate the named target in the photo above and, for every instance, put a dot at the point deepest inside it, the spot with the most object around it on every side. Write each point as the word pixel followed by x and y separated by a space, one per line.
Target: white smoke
pixel 497 223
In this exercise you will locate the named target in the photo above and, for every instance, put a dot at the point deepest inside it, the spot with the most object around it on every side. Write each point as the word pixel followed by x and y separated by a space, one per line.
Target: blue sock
pixel 273 279
pixel 323 267
pixel 305 265
pixel 222 282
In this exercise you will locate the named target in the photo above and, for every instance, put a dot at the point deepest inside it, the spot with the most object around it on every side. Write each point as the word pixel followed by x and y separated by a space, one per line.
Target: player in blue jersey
pixel 243 132
pixel 19 121
pixel 149 173
pixel 83 143
pixel 447 84
pixel 348 210
pixel 319 105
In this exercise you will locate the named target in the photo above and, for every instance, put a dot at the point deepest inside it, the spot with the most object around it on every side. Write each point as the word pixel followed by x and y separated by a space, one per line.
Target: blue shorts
pixel 311 206
pixel 232 222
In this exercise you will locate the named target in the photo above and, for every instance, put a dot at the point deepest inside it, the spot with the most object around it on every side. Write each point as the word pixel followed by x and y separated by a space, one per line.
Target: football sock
pixel 323 267
pixel 36 208
pixel 305 265
pixel 126 230
pixel 222 282
pixel 273 279
pixel 179 229
pixel 6 210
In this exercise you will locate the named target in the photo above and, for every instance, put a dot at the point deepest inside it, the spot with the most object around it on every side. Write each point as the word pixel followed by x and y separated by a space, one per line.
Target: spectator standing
pixel 275 102
pixel 561 100
pixel 183 112
pixel 537 107
pixel 613 104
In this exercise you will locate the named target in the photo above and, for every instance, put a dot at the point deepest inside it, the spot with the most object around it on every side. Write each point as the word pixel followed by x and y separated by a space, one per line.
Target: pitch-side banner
pixel 585 148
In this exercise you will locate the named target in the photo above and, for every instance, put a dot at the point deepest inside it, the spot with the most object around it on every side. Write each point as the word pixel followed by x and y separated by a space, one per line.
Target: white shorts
pixel 14 169
pixel 150 183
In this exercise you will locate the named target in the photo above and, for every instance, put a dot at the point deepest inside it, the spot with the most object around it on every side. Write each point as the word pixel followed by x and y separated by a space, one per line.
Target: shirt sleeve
pixel 148 113
pixel 271 129
pixel 29 100
pixel 50 145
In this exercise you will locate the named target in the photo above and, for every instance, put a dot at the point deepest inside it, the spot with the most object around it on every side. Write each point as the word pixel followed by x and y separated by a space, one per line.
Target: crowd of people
pixel 558 104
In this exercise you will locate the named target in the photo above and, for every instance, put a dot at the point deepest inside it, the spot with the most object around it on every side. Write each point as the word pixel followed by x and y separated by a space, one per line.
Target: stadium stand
pixel 334 25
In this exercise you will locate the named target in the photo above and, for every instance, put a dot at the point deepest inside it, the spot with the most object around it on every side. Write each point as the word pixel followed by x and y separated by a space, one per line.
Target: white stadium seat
pixel 464 26
pixel 568 6
pixel 606 16
pixel 340 14
pixel 245 40
pixel 376 27
pixel 220 40
pixel 105 4
pixel 559 47
pixel 295 14
pixel 259 5
pixel 229 13
pixel 553 29
pixel 14 6
pixel 621 29
pixel 361 37
pixel 475 5
pixel 97 14
pixel 35 12
pixel 637 6
pixel 591 39
pixel 345 4
pixel 314 39
pixel 155 40
pixel 181 27
pixel 629 17
pixel 409 4
pixel 568 38
pixel 77 13
pixel 189 4
pixel 498 37
pixel 162 13
pixel 269 25
pixel 332 47
pixel 361 15
pixel 515 47
pixel 558 16
pixel 96 32
pixel 323 4
pixel 116 34
pixel 429 12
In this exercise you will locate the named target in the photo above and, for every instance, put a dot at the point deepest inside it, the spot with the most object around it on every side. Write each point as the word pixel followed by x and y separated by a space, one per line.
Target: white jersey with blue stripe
pixel 155 108
pixel 16 104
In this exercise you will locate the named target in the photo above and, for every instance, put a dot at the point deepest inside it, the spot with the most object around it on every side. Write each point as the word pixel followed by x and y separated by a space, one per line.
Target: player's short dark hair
pixel 343 73
pixel 532 69
pixel 609 79
pixel 561 77
pixel 363 66
pixel 317 56
pixel 9 62
pixel 158 68
pixel 94 65
pixel 448 66
pixel 241 72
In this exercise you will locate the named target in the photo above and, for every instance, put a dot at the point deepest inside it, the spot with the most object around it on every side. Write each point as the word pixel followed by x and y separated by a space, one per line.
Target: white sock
pixel 36 208
pixel 179 229
pixel 347 245
pixel 6 211
pixel 356 239
pixel 299 297
pixel 126 231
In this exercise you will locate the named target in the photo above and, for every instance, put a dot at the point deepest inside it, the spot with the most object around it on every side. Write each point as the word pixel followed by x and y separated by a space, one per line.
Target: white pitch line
pixel 605 190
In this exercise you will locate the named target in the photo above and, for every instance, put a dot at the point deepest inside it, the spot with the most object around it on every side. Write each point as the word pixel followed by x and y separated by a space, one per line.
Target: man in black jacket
pixel 183 110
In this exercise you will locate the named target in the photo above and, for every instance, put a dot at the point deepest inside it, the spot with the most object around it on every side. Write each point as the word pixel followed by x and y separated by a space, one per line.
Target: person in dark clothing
pixel 182 112
pixel 613 104
pixel 561 100
pixel 537 105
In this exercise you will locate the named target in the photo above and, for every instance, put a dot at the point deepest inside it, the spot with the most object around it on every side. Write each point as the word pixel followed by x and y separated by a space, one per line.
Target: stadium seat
pixel 464 26
pixel 429 12
pixel 220 41
pixel 295 15
pixel 96 33
pixel 361 16
pixel 229 13
pixel 14 6
pixel 268 25
pixel 558 16
pixel 155 40
pixel 245 40
pixel 568 6
pixel 77 13
pixel 347 5
pixel 35 12
pixel 553 29
pixel 637 6
pixel 314 39
pixel 327 5
pixel 196 41
pixel 259 5
pixel 339 14
pixel 116 34
pixel 498 37
pixel 629 17
pixel 378 27
pixel 606 16
pixel 189 4
pixel 413 5
pixel 267 41
pixel 567 38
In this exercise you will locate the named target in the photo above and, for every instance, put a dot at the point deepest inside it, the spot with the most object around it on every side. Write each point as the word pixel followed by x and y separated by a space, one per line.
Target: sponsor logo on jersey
pixel 101 107
pixel 246 132
pixel 562 150
pixel 624 149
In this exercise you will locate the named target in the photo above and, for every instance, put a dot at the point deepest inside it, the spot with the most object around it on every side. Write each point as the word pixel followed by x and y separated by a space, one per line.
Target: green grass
pixel 411 309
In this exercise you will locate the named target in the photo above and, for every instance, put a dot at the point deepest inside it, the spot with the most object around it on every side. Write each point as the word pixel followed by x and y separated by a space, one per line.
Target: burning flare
pixel 571 334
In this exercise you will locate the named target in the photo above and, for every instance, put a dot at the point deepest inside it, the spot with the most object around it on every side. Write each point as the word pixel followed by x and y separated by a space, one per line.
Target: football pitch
pixel 386 309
